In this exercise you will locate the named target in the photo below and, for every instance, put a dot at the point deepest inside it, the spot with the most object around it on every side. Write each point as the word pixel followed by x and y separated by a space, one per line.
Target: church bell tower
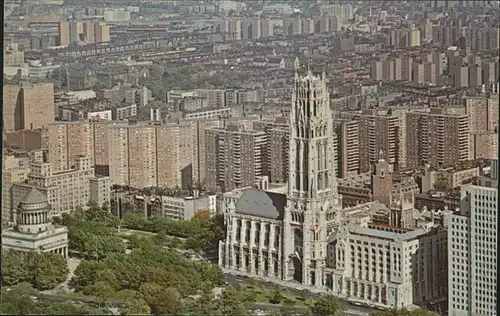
pixel 312 200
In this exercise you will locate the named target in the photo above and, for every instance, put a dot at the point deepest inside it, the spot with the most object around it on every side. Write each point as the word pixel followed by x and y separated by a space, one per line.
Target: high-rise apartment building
pixel 143 155
pixel 267 28
pixel 251 29
pixel 235 157
pixel 484 145
pixel 436 138
pixel 118 158
pixel 100 139
pixel 67 142
pixel 378 133
pixel 393 69
pixel 404 38
pixel 276 159
pixel 430 73
pixel 460 75
pixel 417 73
pixel 344 12
pixel 279 142
pixel 348 147
pixel 445 35
pixel 133 155
pixel 377 70
pixel 472 255
pixel 89 32
pixel 101 33
pixel 64 34
pixel 489 72
pixel 178 152
pixel 75 32
pixel 482 113
pixel 234 29
pixel 116 15
pixel 28 106
pixel 292 26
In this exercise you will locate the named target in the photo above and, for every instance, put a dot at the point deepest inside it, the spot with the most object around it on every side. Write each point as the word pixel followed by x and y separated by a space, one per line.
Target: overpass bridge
pixel 148 45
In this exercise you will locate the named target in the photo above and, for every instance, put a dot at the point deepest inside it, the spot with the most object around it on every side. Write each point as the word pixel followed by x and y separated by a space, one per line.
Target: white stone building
pixel 472 259
pixel 386 265
pixel 34 230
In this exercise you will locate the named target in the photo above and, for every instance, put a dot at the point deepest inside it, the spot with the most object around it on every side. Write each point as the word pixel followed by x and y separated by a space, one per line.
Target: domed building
pixel 34 230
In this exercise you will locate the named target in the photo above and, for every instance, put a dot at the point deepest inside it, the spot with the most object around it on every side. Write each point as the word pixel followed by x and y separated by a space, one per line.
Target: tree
pixel 108 276
pixel 202 215
pixel 14 268
pixel 136 306
pixel 17 302
pixel 205 305
pixel 149 291
pixel 231 304
pixel 167 302
pixel 276 296
pixel 94 239
pixel 327 305
pixel 43 270
pixel 47 270
pixel 96 213
pixel 250 296
pixel 161 277
pixel 85 274
pixel 102 291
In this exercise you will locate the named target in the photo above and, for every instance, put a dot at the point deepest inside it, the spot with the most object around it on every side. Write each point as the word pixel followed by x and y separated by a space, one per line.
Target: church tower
pixel 312 200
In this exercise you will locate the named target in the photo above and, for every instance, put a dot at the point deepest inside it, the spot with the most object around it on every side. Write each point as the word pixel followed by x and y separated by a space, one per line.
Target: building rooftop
pixel 34 197
pixel 393 235
pixel 261 204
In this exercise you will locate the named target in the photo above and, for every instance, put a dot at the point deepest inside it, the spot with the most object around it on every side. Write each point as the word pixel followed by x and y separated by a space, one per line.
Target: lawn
pixel 265 295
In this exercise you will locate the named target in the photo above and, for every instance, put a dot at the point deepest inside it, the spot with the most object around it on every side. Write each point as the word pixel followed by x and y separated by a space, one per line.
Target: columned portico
pixel 34 230
pixel 63 251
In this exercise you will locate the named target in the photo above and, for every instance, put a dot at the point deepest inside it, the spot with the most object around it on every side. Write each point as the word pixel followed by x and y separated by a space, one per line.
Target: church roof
pixel 34 197
pixel 261 204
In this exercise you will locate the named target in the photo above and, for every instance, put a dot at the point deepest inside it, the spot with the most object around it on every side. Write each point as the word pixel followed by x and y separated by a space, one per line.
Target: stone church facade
pixel 283 235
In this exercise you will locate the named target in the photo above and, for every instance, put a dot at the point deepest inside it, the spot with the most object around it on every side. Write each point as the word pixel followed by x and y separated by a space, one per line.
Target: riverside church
pixel 300 234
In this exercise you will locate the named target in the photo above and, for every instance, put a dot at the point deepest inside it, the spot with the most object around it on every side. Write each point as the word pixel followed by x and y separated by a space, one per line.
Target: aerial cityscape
pixel 250 157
